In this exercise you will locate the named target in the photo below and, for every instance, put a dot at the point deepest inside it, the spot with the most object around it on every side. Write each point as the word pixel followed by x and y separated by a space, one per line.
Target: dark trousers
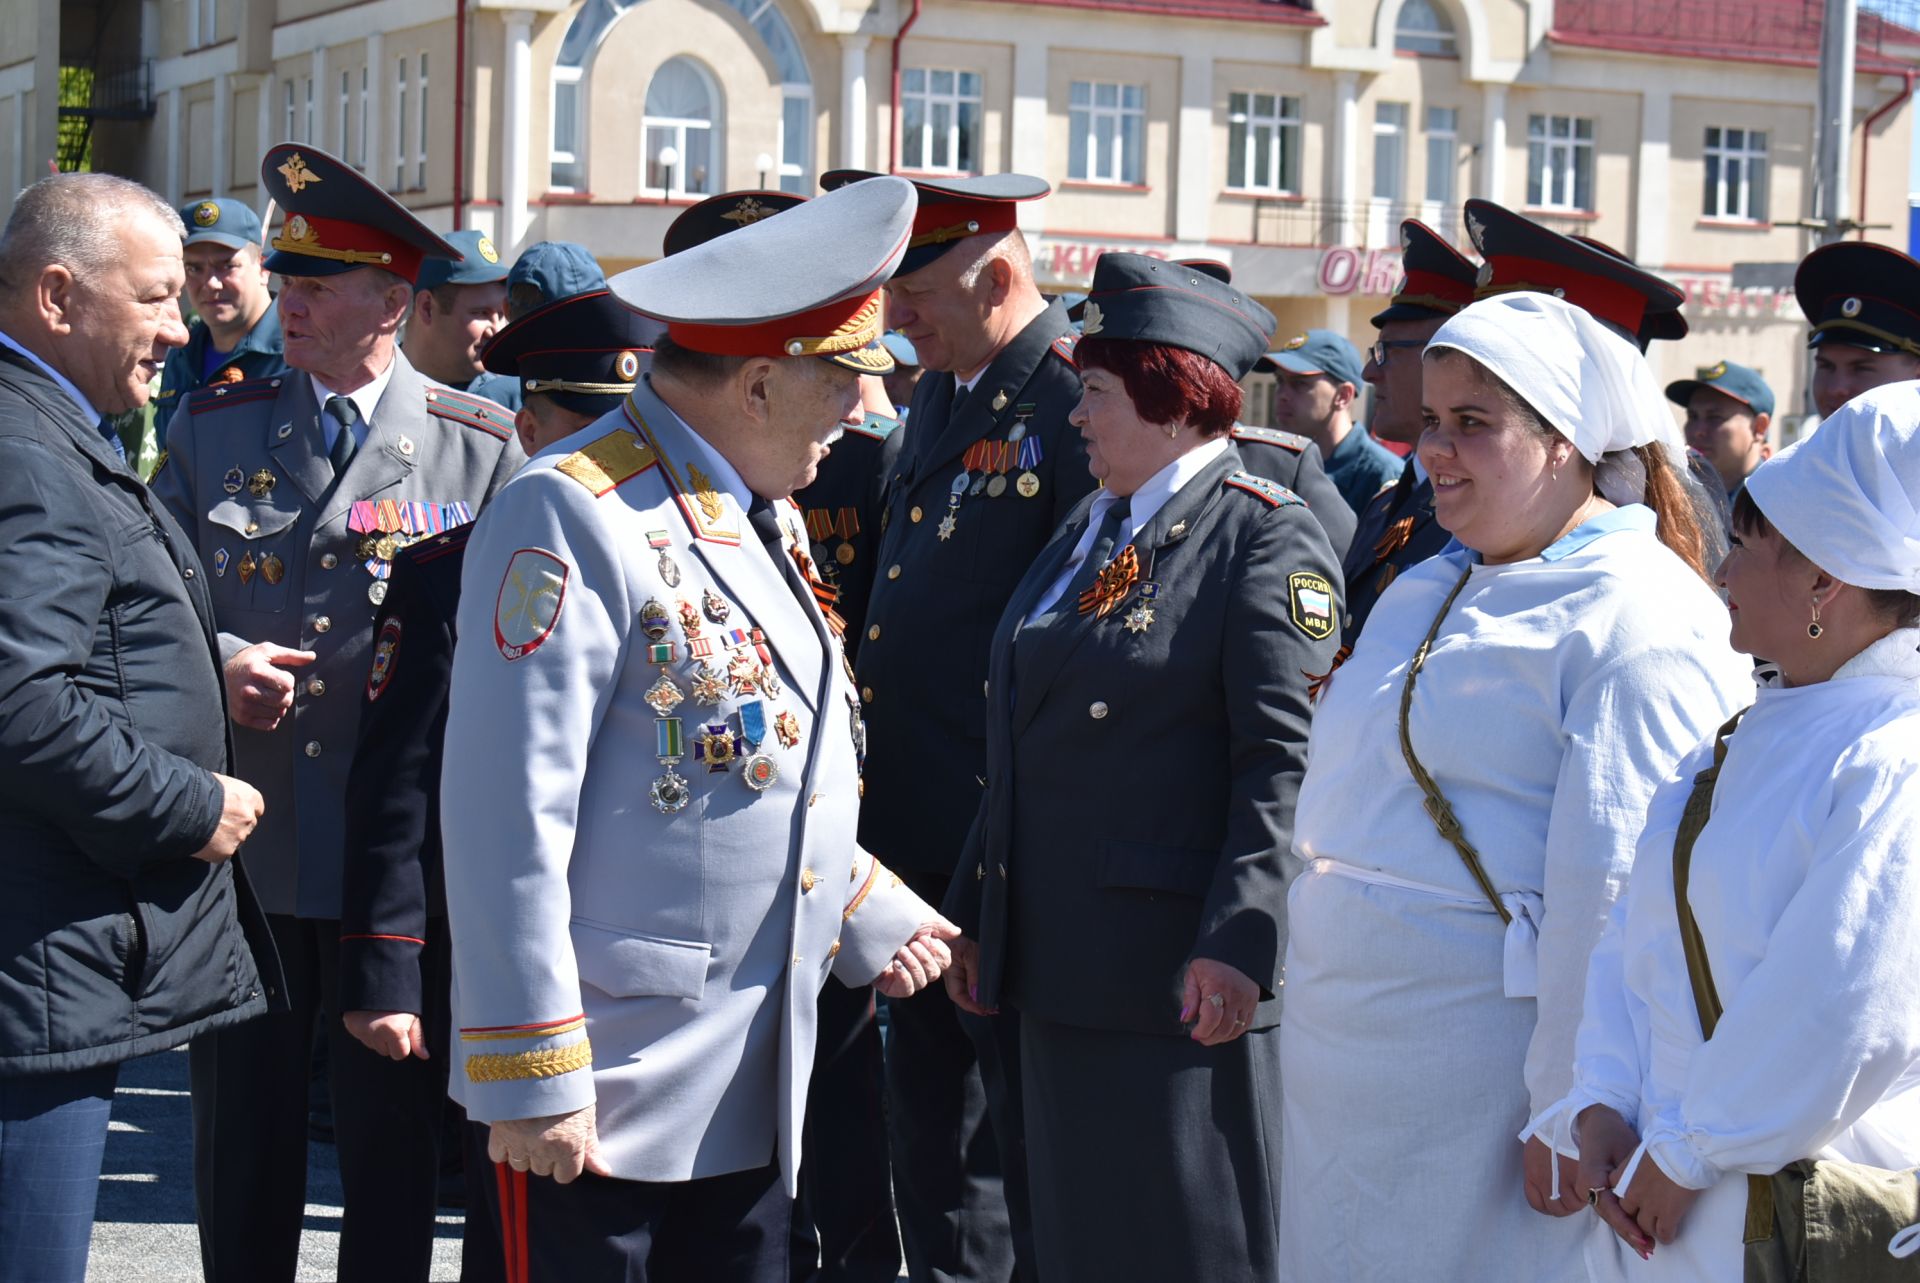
pixel 843 1218
pixel 53 1132
pixel 959 1143
pixel 718 1229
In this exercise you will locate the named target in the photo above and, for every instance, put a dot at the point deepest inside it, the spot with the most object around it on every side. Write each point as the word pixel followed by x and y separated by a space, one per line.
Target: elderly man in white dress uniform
pixel 652 775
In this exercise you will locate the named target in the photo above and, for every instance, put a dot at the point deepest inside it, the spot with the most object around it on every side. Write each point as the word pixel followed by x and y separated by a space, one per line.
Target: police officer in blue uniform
pixel 988 469
pixel 1860 299
pixel 297 491
pixel 545 272
pixel 1312 368
pixel 843 1216
pixel 1397 528
pixel 459 304
pixel 395 968
pixel 228 288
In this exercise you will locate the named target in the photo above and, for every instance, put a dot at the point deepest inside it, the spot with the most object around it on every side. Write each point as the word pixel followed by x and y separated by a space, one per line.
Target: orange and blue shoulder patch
pixel 1063 347
pixel 222 396
pixel 877 426
pixel 1275 494
pixel 609 462
pixel 469 411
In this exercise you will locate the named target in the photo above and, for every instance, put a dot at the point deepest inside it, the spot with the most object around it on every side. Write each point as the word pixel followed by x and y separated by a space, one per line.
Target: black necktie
pixel 1096 561
pixel 959 402
pixel 346 415
pixel 760 516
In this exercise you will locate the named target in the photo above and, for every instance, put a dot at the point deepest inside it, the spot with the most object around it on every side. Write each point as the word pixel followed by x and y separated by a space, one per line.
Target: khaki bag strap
pixel 1437 809
pixel 1706 999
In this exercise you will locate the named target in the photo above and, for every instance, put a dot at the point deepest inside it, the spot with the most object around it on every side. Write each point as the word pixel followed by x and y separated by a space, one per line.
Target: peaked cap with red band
pixel 1440 280
pixel 1861 294
pixel 336 220
pixel 1520 254
pixel 805 283
pixel 718 215
pixel 952 209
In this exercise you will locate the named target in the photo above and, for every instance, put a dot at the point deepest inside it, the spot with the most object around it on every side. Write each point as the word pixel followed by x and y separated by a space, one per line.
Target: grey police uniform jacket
pixel 247 476
pixel 1142 767
pixel 661 965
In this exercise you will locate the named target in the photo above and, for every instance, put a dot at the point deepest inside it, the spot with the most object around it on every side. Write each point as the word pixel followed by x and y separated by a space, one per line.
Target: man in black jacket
pixel 124 929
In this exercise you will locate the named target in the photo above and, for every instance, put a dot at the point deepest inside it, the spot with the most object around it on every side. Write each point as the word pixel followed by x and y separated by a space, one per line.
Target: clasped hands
pixel 1649 1211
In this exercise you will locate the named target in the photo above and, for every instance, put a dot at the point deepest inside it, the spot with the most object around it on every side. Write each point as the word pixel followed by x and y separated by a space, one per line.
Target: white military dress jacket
pixel 627 642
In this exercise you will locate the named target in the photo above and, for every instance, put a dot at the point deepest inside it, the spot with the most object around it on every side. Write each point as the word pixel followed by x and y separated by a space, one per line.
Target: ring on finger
pixel 1237 1022
pixel 1593 1195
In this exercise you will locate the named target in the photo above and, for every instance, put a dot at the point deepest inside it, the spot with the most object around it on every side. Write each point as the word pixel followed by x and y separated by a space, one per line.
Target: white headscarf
pixel 1588 383
pixel 1848 496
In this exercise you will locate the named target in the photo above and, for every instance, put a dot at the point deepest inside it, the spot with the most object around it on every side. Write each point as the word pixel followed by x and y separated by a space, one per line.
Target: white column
pixel 1651 200
pixel 172 177
pixel 519 118
pixel 853 102
pixel 1346 131
pixel 1193 180
pixel 1027 151
pixel 222 133
pixel 322 117
pixel 1493 147
pixel 376 97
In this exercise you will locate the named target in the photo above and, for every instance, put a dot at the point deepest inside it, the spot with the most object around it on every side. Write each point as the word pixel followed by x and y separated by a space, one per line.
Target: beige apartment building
pixel 1287 138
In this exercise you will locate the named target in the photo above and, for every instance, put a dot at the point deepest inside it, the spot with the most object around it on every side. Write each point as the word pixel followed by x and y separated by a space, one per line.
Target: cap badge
pixel 299 229
pixel 294 170
pixel 627 366
pixel 1095 318
pixel 1484 277
pixel 749 210
pixel 1716 372
pixel 487 251
pixel 1477 230
pixel 1850 307
pixel 1297 341
pixel 206 214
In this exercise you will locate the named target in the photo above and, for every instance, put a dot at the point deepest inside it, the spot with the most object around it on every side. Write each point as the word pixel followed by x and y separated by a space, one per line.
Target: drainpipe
pixel 1866 140
pixel 459 114
pixel 893 149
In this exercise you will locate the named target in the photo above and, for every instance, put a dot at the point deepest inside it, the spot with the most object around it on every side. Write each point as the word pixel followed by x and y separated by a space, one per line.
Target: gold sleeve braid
pixel 548 1062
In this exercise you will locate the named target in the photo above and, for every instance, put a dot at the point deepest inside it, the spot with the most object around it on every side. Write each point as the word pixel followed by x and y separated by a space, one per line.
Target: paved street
pixel 143 1231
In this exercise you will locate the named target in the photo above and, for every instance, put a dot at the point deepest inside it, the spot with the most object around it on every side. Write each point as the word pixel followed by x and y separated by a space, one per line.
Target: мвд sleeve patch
pixel 1310 600
pixel 386 650
pixel 529 603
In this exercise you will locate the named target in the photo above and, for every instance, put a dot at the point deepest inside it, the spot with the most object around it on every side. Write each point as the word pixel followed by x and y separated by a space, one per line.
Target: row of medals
pixel 270 568
pixel 992 479
pixel 717 744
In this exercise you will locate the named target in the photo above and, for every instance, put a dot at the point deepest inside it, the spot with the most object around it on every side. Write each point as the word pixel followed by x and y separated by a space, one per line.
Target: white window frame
pixel 203 23
pixel 420 114
pixel 400 124
pixel 570 154
pixel 1743 200
pixel 1443 156
pixel 288 118
pixel 677 189
pixel 1561 157
pixel 1386 129
pixel 310 121
pixel 947 148
pixel 793 173
pixel 346 101
pixel 1445 41
pixel 1088 168
pixel 366 77
pixel 1282 129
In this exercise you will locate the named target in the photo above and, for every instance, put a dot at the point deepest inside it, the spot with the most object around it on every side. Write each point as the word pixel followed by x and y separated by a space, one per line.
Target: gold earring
pixel 1173 432
pixel 1814 630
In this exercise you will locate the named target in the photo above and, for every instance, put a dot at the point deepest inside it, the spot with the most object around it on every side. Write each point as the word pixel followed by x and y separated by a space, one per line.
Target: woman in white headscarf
pixel 1572 651
pixel 1804 882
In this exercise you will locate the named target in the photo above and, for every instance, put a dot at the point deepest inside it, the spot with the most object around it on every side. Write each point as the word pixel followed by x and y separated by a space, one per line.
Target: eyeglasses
pixel 1378 352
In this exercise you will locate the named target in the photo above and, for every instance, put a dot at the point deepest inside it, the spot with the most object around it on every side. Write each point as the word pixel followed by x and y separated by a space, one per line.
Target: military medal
pixel 1140 618
pixel 261 483
pixel 272 569
pixel 670 792
pixel 220 560
pixel 955 493
pixel 377 591
pixel 661 653
pixel 714 606
pixel 654 619
pixel 744 674
pixel 758 770
pixel 669 570
pixel 859 728
pixel 999 400
pixel 232 482
pixel 786 728
pixel 689 617
pixel 714 745
pixel 246 567
pixel 665 694
pixel 710 685
pixel 1029 483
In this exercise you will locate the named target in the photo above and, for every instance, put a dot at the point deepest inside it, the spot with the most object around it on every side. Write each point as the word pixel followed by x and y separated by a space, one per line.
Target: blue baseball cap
pixel 1737 381
pixel 1317 352
pixel 230 223
pixel 558 269
pixel 479 264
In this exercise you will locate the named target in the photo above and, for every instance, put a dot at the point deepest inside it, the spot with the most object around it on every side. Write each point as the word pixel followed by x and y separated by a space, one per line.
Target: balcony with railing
pixel 1313 223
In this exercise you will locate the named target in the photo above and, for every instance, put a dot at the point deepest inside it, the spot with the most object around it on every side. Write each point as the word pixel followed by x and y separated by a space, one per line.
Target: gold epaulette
pixel 614 459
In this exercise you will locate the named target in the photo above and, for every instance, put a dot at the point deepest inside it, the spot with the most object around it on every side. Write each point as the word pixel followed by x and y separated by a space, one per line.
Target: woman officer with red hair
pixel 1123 888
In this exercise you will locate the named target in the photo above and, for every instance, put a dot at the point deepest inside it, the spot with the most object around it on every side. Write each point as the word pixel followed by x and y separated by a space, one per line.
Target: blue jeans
pixel 53 1131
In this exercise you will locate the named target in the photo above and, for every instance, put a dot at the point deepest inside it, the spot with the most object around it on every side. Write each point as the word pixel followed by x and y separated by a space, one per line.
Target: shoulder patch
pixel 1271 436
pixel 528 607
pixel 877 426
pixel 226 395
pixel 1274 494
pixel 470 411
pixel 1062 347
pixel 614 459
pixel 386 649
pixel 1310 602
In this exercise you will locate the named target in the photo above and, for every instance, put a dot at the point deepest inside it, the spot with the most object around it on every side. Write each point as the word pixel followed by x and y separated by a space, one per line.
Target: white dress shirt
pixel 365 400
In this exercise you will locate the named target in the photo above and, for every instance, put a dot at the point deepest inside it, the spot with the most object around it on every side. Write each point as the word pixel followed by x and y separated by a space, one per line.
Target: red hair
pixel 1167 383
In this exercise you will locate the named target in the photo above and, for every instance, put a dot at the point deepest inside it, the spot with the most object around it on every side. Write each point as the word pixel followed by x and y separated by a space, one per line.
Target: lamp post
pixel 765 164
pixel 669 159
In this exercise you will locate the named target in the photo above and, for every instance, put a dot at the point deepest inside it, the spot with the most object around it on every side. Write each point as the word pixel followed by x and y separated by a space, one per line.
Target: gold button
pixel 873 633
pixel 1098 709
pixel 866 693
pixel 322 624
pixel 253 527
pixel 833 950
pixel 808 879
pixel 796 959
pixel 893 572
pixel 316 687
pixel 313 748
pixel 328 561
pixel 916 514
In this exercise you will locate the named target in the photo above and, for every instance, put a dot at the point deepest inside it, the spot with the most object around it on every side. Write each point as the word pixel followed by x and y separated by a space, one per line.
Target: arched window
pixel 682 153
pixel 1424 28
